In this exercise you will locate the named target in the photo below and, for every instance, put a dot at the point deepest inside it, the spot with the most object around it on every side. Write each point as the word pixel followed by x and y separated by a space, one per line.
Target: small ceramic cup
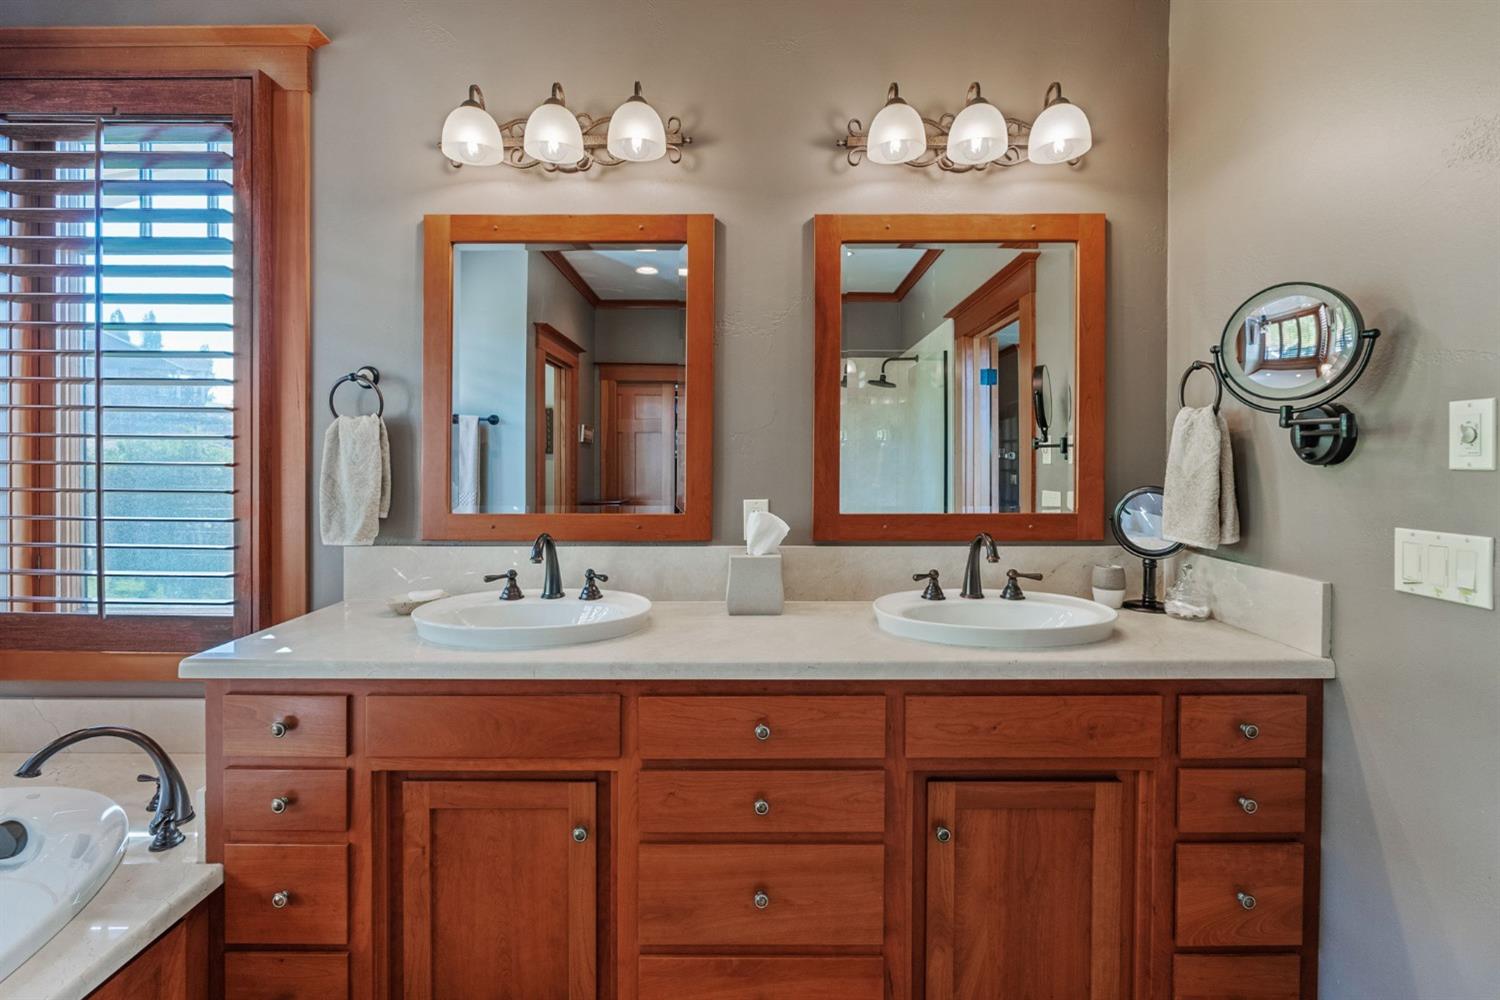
pixel 1109 585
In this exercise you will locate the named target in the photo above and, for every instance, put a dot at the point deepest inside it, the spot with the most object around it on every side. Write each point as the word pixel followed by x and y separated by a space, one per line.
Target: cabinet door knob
pixel 1250 730
pixel 761 900
pixel 279 804
pixel 1246 900
pixel 580 834
pixel 762 807
pixel 280 899
pixel 1249 805
pixel 943 834
pixel 281 727
pixel 762 731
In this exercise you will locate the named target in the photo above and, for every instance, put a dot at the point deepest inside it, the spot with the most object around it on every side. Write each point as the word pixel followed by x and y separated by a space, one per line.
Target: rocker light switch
pixel 1457 568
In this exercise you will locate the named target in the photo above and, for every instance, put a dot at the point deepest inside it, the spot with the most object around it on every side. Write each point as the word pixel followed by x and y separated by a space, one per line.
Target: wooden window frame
pixel 1087 232
pixel 555 348
pixel 277 61
pixel 1302 362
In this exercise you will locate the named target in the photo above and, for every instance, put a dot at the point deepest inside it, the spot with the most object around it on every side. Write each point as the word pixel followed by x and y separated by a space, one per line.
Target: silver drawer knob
pixel 280 899
pixel 279 804
pixel 1246 900
pixel 761 900
pixel 943 834
pixel 762 807
pixel 1250 730
pixel 1249 805
pixel 762 731
pixel 580 834
pixel 280 728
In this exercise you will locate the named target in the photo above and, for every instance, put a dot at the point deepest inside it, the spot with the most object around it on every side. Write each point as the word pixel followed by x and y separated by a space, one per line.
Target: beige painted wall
pixel 1358 145
pixel 765 87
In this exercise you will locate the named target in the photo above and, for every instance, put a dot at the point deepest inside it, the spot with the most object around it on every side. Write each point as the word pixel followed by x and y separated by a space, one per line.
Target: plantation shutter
pixel 124 363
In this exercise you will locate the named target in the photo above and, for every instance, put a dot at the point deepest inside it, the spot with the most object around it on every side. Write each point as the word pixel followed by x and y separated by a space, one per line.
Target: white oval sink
pixel 483 621
pixel 70 841
pixel 1041 621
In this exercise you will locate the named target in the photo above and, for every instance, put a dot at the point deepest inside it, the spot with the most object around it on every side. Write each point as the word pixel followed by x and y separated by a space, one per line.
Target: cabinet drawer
pixel 315 879
pixel 1033 726
pixel 1231 895
pixel 273 975
pixel 304 800
pixel 1240 800
pixel 493 726
pixel 814 894
pixel 775 727
pixel 1243 725
pixel 672 978
pixel 1236 977
pixel 752 802
pixel 276 725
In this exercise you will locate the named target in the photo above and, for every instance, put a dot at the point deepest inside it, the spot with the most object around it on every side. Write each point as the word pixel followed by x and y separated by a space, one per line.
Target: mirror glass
pixel 1137 524
pixel 1291 341
pixel 569 378
pixel 939 345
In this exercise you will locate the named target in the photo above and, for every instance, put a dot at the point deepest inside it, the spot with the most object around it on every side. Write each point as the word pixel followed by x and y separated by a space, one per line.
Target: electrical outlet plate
pixel 1471 434
pixel 1448 567
pixel 750 506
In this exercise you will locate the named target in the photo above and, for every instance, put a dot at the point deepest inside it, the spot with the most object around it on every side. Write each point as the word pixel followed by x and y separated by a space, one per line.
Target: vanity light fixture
pixel 978 136
pixel 558 139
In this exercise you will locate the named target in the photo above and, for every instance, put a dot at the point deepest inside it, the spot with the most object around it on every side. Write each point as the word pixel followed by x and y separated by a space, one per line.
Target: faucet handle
pixel 512 590
pixel 1012 591
pixel 591 591
pixel 932 592
pixel 156 795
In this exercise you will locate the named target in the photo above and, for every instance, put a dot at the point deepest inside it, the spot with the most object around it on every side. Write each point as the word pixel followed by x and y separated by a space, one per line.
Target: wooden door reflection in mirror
pixel 568 377
pixel 933 336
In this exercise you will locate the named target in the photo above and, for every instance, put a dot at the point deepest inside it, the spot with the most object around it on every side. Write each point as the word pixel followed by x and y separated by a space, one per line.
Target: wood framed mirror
pixel 567 377
pixel 959 377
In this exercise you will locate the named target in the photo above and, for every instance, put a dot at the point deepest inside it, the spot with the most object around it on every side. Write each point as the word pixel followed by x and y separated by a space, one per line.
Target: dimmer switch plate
pixel 1471 434
pixel 1457 568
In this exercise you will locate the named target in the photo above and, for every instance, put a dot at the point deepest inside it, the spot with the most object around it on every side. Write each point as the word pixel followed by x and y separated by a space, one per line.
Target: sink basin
pixel 1041 621
pixel 70 841
pixel 483 621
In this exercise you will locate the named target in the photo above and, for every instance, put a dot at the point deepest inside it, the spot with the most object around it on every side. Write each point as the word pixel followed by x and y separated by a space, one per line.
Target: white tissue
pixel 764 532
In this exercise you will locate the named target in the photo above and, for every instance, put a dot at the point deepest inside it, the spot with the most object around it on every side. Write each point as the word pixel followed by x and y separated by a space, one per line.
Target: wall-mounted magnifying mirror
pixel 1136 522
pixel 949 347
pixel 567 377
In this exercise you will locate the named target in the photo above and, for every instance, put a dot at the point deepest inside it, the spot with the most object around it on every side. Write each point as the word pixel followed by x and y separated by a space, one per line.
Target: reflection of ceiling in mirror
pixel 615 273
pixel 878 269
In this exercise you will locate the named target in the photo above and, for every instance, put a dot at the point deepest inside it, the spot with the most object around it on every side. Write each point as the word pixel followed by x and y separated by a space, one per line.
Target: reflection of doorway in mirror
pixel 641 437
pixel 556 444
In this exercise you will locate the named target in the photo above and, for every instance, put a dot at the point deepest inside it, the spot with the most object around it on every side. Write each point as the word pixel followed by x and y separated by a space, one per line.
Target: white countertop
pixel 697 640
pixel 145 896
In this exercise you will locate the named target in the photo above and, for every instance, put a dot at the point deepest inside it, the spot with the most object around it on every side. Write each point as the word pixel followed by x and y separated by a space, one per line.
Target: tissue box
pixel 754 585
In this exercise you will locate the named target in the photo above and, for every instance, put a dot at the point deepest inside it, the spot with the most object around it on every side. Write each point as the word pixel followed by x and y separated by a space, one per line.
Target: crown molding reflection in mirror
pixel 567 377
pixel 558 139
pixel 979 136
pixel 937 447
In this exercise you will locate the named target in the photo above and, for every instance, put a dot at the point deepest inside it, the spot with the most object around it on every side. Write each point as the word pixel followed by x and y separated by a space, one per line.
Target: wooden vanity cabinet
pixel 935 840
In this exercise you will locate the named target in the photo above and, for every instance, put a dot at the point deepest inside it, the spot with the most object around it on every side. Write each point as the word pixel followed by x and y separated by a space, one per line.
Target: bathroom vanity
pixel 800 806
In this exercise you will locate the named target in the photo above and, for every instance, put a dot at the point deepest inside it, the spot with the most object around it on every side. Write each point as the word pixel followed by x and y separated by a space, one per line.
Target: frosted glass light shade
pixel 896 134
pixel 471 137
pixel 553 135
pixel 636 132
pixel 1059 134
pixel 978 134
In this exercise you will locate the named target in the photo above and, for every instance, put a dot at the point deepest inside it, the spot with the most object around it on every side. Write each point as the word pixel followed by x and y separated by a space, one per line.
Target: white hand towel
pixel 466 466
pixel 1198 505
pixel 354 486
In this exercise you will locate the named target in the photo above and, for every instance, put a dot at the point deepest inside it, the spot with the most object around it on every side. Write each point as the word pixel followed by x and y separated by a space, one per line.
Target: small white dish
pixel 405 604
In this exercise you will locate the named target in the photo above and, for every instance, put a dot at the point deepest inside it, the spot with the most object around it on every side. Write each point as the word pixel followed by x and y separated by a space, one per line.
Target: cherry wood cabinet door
pixel 498 890
pixel 1025 889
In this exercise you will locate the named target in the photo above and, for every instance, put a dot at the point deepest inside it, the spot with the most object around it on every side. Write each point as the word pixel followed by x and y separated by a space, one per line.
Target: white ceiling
pixel 611 273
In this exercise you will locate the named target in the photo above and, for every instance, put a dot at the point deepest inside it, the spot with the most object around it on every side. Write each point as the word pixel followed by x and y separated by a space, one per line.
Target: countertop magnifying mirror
pixel 959 377
pixel 568 377
pixel 1136 522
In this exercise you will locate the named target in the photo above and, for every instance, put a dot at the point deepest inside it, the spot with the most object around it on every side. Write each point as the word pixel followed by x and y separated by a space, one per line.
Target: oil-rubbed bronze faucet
pixel 973 585
pixel 932 592
pixel 591 591
pixel 544 548
pixel 174 803
pixel 512 590
pixel 1012 591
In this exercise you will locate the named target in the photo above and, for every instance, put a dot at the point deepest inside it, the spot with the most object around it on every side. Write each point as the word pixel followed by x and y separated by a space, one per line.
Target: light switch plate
pixel 1471 434
pixel 1448 567
pixel 750 506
